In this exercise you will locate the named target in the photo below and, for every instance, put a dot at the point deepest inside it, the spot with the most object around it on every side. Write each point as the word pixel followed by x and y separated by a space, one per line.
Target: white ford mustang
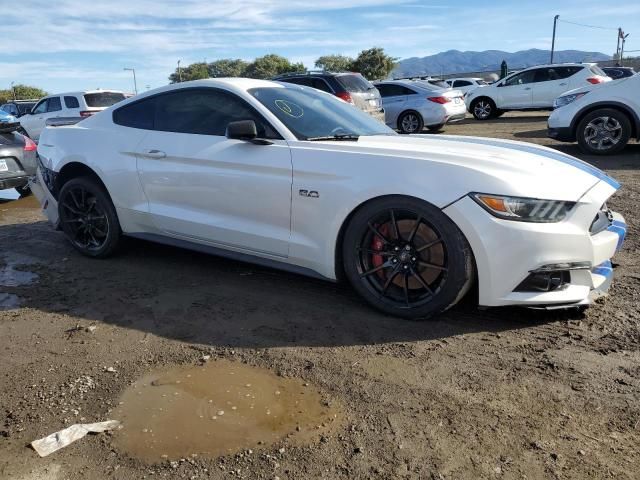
pixel 291 177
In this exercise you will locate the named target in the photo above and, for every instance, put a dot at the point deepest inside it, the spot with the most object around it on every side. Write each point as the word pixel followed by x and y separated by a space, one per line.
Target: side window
pixel 461 83
pixel 393 90
pixel 54 105
pixel 320 84
pixel 383 89
pixel 137 114
pixel 521 78
pixel 299 81
pixel 566 72
pixel 71 102
pixel 205 112
pixel 41 107
pixel 407 91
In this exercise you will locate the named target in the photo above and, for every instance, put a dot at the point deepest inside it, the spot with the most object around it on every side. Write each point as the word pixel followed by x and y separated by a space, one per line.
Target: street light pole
pixel 553 39
pixel 135 83
pixel 179 73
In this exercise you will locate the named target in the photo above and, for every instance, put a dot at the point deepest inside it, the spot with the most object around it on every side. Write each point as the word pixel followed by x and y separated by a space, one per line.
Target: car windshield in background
pixel 103 99
pixel 25 107
pixel 481 82
pixel 312 114
pixel 354 83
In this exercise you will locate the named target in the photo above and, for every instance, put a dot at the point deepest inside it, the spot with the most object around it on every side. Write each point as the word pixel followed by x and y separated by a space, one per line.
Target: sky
pixel 64 45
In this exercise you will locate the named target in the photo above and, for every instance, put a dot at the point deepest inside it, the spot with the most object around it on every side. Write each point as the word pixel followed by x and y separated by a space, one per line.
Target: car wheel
pixel 483 108
pixel 435 128
pixel 406 258
pixel 603 132
pixel 23 190
pixel 410 122
pixel 88 217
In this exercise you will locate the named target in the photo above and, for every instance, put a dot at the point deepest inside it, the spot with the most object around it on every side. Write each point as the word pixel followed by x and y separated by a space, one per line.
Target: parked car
pixel 466 85
pixel 72 104
pixel 17 158
pixel 349 86
pixel 534 88
pixel 602 118
pixel 287 176
pixel 410 106
pixel 617 73
pixel 17 108
pixel 7 117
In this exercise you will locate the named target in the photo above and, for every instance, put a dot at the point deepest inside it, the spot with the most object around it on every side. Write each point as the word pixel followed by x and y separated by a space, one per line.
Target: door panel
pixel 517 91
pixel 228 192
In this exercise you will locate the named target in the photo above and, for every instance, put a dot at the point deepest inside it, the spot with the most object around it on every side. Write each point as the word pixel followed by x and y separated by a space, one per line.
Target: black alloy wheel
pixel 88 218
pixel 407 259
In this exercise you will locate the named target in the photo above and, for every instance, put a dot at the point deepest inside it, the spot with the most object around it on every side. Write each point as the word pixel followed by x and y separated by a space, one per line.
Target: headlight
pixel 524 209
pixel 567 99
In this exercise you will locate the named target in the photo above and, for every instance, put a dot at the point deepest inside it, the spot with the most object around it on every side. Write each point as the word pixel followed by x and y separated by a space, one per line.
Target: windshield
pixel 103 99
pixel 309 113
pixel 354 82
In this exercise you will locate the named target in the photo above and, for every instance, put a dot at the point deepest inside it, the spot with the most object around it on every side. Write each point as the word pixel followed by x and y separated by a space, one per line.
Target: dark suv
pixel 17 108
pixel 349 86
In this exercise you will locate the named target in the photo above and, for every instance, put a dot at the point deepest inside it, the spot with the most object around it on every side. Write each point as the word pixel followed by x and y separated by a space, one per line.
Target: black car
pixel 351 87
pixel 17 158
pixel 17 108
pixel 619 72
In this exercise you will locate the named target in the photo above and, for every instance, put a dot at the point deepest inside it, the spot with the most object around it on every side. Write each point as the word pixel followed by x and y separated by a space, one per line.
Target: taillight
pixel 595 80
pixel 440 100
pixel 87 113
pixel 29 145
pixel 345 96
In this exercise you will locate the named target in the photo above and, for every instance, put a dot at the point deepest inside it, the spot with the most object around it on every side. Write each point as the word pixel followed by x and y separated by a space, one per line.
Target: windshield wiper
pixel 341 136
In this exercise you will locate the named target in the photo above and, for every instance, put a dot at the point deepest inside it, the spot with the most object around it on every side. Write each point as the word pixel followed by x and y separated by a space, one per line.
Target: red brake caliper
pixel 377 244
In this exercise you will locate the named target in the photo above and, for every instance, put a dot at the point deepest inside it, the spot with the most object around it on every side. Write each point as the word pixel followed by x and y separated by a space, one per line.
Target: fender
pixel 635 123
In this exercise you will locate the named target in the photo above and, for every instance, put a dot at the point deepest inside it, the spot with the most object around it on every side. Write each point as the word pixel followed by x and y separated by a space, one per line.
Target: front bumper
pixel 562 134
pixel 48 203
pixel 506 252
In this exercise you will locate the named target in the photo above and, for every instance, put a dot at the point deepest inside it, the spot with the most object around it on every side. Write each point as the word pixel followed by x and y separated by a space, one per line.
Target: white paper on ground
pixel 51 443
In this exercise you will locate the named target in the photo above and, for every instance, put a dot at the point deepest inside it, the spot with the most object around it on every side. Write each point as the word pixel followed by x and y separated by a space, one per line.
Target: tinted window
pixel 306 81
pixel 354 82
pixel 461 83
pixel 54 105
pixel 320 84
pixel 566 72
pixel 71 102
pixel 137 115
pixel 103 99
pixel 25 107
pixel 521 78
pixel 41 107
pixel 393 90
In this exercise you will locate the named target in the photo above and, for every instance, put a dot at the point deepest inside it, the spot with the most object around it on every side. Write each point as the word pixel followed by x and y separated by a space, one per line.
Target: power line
pixel 588 26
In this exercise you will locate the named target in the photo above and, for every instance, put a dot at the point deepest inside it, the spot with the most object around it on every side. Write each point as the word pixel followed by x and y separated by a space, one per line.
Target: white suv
pixel 602 118
pixel 63 105
pixel 534 88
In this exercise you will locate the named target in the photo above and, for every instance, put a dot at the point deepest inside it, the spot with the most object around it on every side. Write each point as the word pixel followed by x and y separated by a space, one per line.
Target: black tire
pixel 603 132
pixel 23 190
pixel 483 108
pixel 435 128
pixel 410 122
pixel 416 269
pixel 88 217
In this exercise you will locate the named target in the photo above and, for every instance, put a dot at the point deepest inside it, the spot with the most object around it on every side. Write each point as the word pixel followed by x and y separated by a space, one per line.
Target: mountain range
pixel 455 61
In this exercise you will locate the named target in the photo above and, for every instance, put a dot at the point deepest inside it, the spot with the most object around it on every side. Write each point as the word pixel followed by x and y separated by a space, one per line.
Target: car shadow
pixel 203 299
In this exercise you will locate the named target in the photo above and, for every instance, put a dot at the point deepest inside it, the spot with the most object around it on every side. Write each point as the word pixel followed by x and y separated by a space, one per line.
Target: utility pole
pixel 179 73
pixel 618 47
pixel 553 39
pixel 135 83
pixel 13 89
pixel 624 39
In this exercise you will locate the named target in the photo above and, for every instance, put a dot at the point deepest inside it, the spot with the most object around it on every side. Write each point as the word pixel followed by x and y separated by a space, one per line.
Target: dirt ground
pixel 500 393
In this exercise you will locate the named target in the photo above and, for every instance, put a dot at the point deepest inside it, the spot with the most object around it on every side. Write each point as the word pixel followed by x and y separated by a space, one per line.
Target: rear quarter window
pixel 136 115
pixel 103 99
pixel 71 102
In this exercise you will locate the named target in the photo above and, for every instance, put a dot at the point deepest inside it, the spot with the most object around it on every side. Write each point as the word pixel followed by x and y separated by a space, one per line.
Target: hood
pixel 496 166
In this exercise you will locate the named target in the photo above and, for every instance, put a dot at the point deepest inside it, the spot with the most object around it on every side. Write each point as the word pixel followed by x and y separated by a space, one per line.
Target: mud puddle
pixel 10 276
pixel 217 409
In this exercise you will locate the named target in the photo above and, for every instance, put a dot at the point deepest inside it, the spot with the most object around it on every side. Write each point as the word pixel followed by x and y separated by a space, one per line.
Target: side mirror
pixel 245 130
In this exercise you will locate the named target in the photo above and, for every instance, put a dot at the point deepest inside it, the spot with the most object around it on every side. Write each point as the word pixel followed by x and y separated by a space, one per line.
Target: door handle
pixel 153 154
pixel 528 88
pixel 563 84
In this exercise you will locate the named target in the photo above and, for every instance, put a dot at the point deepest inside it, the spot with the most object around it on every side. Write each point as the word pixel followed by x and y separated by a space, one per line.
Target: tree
pixel 227 67
pixel 195 71
pixel 374 64
pixel 271 65
pixel 335 63
pixel 22 92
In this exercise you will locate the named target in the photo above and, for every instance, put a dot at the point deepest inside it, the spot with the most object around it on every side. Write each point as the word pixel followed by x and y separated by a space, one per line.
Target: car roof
pixel 83 92
pixel 552 65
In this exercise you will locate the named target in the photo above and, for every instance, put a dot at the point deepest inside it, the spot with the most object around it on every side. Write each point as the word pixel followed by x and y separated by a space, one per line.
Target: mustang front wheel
pixel 406 258
pixel 88 218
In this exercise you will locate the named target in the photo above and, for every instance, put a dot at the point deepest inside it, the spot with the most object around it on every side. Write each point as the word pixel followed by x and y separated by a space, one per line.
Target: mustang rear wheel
pixel 406 258
pixel 88 217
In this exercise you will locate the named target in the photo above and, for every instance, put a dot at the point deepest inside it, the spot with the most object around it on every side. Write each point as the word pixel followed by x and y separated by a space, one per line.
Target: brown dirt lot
pixel 503 393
